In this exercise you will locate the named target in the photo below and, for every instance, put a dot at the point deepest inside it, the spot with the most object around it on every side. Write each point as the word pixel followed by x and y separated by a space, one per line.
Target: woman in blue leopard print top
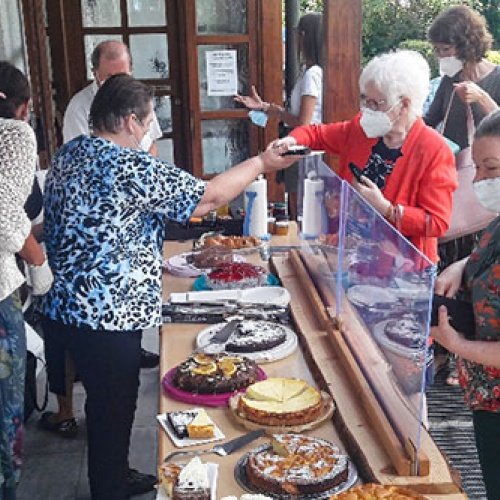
pixel 105 211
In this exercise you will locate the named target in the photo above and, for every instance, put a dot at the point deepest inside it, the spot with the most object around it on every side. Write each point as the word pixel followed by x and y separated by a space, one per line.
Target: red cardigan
pixel 423 179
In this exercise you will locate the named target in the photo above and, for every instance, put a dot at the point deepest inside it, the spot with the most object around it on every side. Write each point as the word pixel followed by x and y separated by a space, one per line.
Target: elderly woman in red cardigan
pixel 407 170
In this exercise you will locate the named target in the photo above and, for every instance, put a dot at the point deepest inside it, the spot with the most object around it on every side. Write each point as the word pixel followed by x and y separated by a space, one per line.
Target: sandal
pixel 65 428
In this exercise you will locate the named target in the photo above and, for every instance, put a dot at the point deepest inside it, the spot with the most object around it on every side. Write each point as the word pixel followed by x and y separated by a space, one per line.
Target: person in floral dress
pixel 17 172
pixel 479 359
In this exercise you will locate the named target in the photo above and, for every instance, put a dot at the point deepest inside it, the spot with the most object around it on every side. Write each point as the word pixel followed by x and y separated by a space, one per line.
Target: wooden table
pixel 177 342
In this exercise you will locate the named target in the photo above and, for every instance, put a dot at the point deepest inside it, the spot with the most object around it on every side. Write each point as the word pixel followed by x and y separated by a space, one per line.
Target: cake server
pixel 221 449
pixel 225 332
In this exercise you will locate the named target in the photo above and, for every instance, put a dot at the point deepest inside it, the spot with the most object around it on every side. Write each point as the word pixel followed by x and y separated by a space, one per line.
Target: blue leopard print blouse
pixel 105 212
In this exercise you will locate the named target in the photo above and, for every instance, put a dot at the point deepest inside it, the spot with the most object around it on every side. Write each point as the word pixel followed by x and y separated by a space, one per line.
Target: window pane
pixel 209 103
pixel 98 13
pixel 11 39
pixel 149 56
pixel 146 13
pixel 221 16
pixel 224 144
pixel 163 110
pixel 166 150
pixel 90 42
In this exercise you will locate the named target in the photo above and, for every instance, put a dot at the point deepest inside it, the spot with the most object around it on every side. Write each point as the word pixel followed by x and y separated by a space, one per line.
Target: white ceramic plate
pixel 370 295
pixel 279 352
pixel 183 442
pixel 178 265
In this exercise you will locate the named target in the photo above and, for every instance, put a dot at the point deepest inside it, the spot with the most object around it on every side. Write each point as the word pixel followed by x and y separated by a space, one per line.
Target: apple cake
pixel 280 401
pixel 297 465
pixel 214 373
pixel 377 491
pixel 190 482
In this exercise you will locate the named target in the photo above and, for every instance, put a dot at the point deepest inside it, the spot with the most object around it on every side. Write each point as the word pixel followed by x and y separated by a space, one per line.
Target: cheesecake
pixel 201 427
pixel 280 401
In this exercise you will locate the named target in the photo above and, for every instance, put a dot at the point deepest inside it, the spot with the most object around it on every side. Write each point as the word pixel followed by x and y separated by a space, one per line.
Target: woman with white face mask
pixel 408 171
pixel 479 359
pixel 461 39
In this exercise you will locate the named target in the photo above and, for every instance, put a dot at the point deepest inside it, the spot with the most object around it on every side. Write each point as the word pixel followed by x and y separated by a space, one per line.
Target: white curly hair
pixel 403 73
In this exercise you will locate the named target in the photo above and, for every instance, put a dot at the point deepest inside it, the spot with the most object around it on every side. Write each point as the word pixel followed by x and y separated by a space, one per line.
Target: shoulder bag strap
pixel 471 128
pixel 445 119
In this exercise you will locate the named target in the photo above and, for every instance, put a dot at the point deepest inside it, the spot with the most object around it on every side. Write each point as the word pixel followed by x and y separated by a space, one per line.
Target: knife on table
pixel 221 449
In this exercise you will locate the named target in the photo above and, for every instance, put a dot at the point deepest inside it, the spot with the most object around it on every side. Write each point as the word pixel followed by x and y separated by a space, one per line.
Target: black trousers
pixel 487 431
pixel 108 363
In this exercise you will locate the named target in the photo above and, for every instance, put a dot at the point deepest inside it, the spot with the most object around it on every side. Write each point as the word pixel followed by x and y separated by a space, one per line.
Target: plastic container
pixel 281 227
pixel 271 221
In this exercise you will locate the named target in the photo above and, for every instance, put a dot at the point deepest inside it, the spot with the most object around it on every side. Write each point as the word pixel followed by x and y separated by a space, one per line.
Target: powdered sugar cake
pixel 297 465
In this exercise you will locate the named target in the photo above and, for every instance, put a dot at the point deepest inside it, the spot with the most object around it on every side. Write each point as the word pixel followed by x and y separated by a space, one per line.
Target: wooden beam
pixel 270 85
pixel 342 33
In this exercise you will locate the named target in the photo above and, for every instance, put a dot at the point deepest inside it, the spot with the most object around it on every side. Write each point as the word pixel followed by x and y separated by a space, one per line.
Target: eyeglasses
pixel 373 104
pixel 444 49
pixel 142 124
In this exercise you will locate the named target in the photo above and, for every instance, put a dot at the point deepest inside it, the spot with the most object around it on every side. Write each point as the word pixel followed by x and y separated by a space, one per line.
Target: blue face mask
pixel 258 118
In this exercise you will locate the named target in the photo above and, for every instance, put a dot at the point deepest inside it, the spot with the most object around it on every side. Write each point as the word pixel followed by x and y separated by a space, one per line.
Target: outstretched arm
pixel 226 186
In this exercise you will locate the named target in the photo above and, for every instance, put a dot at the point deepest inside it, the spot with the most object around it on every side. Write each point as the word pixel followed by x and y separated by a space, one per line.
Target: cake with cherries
pixel 254 336
pixel 377 492
pixel 297 465
pixel 215 373
pixel 405 331
pixel 190 482
pixel 235 275
pixel 280 401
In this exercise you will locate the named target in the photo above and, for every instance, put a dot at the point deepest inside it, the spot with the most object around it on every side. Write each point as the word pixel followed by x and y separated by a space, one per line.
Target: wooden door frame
pixel 40 80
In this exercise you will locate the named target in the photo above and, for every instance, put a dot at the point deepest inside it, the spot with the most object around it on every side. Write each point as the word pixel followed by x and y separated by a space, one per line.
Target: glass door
pixel 148 28
pixel 143 25
pixel 221 42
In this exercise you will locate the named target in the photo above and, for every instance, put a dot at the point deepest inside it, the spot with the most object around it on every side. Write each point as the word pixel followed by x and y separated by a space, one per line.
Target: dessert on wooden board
pixel 280 401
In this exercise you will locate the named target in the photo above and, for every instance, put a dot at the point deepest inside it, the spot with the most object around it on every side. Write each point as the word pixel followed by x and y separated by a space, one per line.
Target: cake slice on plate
pixel 201 427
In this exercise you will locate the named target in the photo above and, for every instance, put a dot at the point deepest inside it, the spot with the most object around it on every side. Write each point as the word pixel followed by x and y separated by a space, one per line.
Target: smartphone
pixel 461 315
pixel 356 171
pixel 297 151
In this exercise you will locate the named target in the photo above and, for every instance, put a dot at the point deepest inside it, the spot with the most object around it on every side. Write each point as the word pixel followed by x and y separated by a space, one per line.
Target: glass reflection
pixel 90 42
pixel 99 13
pixel 150 55
pixel 146 13
pixel 221 16
pixel 166 150
pixel 224 144
pixel 163 110
pixel 209 103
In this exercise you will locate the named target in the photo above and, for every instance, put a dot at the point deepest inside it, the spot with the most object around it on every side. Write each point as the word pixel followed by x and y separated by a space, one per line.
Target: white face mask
pixel 146 142
pixel 375 123
pixel 488 193
pixel 450 66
